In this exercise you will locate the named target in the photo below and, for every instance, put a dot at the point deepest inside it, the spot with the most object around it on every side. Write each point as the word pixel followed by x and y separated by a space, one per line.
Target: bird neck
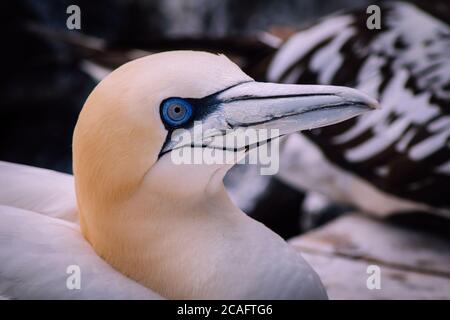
pixel 167 228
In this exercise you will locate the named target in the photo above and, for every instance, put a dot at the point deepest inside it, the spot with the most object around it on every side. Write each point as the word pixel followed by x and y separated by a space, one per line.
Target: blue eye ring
pixel 176 111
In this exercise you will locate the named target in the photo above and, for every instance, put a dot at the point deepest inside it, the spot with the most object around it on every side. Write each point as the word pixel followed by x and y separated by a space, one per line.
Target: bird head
pixel 134 121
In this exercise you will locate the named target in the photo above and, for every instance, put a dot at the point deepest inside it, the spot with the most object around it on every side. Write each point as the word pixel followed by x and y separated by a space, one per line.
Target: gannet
pixel 172 227
pixel 383 163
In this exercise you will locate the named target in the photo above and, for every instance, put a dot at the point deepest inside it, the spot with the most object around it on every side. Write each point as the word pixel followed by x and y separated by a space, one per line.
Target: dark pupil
pixel 176 112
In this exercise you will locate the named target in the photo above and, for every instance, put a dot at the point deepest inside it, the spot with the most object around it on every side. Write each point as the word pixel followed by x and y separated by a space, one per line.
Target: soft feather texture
pixel 38 190
pixel 36 247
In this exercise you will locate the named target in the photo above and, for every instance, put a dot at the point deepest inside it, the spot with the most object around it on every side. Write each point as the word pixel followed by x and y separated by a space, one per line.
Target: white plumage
pixel 39 241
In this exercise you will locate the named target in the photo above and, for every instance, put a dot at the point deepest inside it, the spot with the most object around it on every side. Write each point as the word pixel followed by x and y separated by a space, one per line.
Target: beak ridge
pixel 291 108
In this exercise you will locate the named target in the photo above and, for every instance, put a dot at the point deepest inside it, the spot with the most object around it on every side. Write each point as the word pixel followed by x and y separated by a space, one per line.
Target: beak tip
pixel 365 99
pixel 374 105
pixel 370 102
pixel 358 97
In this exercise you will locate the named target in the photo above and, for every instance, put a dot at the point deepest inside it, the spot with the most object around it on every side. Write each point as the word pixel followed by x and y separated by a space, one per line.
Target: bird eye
pixel 176 111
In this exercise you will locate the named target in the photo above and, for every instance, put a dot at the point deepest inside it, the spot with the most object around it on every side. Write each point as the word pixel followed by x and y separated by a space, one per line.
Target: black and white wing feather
pixel 403 150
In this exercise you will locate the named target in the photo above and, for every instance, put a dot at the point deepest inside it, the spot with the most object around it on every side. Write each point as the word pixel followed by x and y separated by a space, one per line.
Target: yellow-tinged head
pixel 130 192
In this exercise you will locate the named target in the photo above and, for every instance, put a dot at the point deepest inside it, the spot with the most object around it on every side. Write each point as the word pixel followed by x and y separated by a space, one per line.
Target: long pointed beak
pixel 291 108
pixel 257 105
